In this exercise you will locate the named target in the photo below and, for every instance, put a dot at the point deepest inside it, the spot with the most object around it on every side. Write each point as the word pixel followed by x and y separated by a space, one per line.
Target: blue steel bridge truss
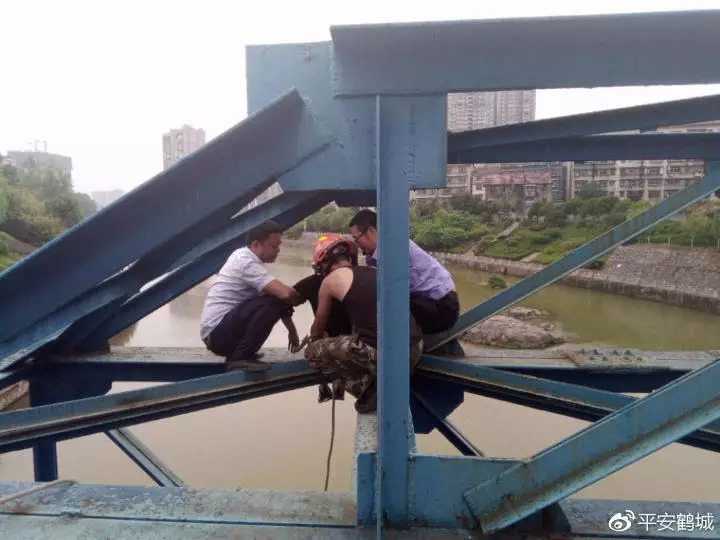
pixel 361 120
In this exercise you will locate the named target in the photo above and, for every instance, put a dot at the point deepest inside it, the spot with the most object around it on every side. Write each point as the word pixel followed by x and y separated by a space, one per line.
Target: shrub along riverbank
pixel 549 232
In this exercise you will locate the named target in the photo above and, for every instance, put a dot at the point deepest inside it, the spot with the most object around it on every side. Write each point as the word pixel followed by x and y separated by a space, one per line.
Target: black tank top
pixel 361 304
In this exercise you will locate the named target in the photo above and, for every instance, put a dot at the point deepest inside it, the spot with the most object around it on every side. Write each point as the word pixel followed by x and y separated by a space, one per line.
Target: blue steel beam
pixel 583 255
pixel 618 379
pixel 348 163
pixel 105 300
pixel 608 445
pixel 595 147
pixel 437 502
pixel 98 367
pixel 448 430
pixel 283 208
pixel 286 208
pixel 11 377
pixel 567 52
pixel 211 255
pixel 637 379
pixel 144 457
pixel 45 463
pixel 209 181
pixel 572 400
pixel 643 117
pixel 395 167
pixel 69 419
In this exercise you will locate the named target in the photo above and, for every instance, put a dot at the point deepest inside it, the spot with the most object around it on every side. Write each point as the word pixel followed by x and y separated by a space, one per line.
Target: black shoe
pixel 367 402
pixel 338 391
pixel 324 393
pixel 247 364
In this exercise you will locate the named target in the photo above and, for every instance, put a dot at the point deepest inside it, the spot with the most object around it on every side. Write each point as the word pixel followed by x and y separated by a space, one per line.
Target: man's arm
pixel 279 290
pixel 317 330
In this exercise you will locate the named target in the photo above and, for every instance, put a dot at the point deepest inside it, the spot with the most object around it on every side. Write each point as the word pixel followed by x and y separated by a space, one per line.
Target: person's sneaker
pixel 247 364
pixel 367 402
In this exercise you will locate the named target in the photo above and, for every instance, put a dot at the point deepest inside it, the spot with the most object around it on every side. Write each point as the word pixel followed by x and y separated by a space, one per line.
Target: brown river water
pixel 281 441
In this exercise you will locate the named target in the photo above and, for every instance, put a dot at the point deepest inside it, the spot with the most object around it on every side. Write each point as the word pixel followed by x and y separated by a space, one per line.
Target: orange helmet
pixel 328 243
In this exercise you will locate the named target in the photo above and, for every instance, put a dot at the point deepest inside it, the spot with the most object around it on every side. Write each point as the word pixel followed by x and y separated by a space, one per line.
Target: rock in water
pixel 526 313
pixel 500 331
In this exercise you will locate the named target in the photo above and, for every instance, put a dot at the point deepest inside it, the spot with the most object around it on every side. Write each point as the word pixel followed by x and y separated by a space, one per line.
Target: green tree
pixel 638 207
pixel 591 190
pixel 65 209
pixel 572 207
pixel 537 211
pixel 4 202
pixel 339 220
pixel 22 204
pixel 85 204
pixel 10 173
pixel 555 215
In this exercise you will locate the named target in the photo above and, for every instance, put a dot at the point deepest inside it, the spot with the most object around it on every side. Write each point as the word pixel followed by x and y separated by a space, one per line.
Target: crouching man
pixel 245 302
pixel 352 358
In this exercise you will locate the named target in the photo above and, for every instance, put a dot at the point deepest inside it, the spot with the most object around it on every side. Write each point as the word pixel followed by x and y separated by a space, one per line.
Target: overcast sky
pixel 101 81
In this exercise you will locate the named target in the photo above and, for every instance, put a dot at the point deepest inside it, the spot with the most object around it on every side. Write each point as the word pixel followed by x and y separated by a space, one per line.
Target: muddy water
pixel 281 441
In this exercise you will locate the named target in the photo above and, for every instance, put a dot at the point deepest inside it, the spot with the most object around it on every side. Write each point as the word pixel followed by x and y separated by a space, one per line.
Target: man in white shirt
pixel 245 302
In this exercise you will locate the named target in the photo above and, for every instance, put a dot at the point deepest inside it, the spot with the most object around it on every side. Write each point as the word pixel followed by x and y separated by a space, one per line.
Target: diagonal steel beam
pixel 144 457
pixel 211 180
pixel 572 400
pixel 60 421
pixel 284 208
pixel 103 303
pixel 11 377
pixel 567 52
pixel 668 113
pixel 208 259
pixel 583 255
pixel 444 426
pixel 595 147
pixel 608 445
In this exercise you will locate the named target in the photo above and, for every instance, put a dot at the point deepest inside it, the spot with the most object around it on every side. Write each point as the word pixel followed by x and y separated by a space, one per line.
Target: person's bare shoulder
pixel 337 282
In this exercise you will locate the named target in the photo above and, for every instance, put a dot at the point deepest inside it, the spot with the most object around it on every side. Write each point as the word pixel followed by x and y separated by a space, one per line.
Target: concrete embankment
pixel 672 275
pixel 12 393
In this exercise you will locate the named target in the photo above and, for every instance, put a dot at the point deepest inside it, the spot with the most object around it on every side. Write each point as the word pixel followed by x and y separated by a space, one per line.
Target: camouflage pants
pixel 349 362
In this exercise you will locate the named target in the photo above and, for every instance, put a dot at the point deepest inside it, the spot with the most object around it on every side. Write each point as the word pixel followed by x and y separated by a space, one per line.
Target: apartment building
pixel 650 180
pixel 178 143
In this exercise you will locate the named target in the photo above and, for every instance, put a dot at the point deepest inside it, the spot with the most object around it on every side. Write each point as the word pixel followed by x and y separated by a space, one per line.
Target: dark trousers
pixel 245 328
pixel 435 316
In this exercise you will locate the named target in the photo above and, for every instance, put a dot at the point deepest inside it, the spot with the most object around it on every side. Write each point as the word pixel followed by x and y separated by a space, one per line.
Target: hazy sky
pixel 101 81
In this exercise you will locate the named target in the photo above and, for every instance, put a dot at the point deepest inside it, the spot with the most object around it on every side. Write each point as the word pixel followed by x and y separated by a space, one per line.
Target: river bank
pixel 10 395
pixel 678 276
pixel 686 277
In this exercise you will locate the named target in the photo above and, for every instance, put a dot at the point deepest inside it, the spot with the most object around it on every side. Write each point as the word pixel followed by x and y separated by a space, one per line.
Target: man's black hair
pixel 364 219
pixel 262 232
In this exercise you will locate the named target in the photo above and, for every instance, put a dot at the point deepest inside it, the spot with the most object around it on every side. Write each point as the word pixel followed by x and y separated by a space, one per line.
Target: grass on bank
pixel 552 243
